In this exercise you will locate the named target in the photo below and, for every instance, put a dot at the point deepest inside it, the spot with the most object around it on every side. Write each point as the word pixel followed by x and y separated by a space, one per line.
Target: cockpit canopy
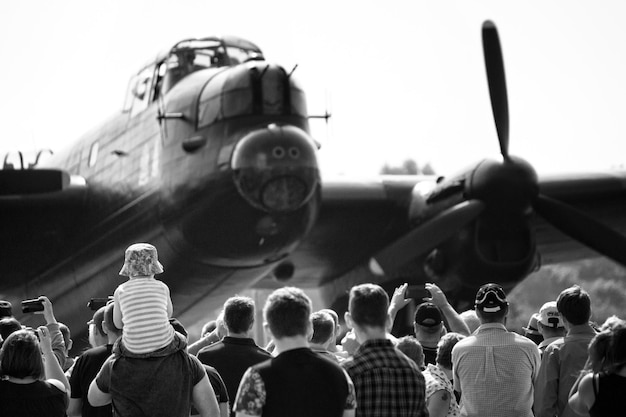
pixel 187 56
pixel 195 54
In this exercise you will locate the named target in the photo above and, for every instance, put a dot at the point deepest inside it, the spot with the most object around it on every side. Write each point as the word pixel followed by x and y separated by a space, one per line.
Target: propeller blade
pixel 583 228
pixel 426 236
pixel 497 84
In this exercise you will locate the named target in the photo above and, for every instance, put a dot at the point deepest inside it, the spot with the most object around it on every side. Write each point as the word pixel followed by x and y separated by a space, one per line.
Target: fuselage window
pixel 93 154
pixel 141 90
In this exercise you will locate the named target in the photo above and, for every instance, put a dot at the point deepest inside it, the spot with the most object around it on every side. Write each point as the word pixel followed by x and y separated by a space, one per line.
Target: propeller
pixel 523 183
pixel 497 84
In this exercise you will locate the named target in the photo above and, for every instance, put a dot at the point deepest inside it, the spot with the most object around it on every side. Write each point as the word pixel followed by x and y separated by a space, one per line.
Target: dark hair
pixel 9 325
pixel 574 305
pixel 20 356
pixel 444 348
pixel 97 319
pixel 108 318
pixel 65 332
pixel 412 348
pixel 239 314
pixel 333 314
pixel 323 327
pixel 368 305
pixel 287 312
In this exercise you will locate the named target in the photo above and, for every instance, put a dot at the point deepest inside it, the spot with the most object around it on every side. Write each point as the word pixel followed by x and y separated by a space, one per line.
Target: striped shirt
pixel 494 370
pixel 146 308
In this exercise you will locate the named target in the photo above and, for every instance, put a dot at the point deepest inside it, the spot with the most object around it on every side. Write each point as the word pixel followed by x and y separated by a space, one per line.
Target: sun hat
pixel 141 259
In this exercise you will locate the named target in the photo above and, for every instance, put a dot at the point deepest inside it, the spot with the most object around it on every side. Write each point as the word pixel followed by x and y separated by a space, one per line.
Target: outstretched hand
pixel 438 298
pixel 399 300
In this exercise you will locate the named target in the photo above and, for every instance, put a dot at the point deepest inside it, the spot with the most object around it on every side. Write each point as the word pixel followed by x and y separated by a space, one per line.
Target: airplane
pixel 212 161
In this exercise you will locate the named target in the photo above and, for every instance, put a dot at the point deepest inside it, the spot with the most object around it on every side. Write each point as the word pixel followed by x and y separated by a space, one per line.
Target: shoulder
pixel 211 349
pixel 468 341
pixel 56 384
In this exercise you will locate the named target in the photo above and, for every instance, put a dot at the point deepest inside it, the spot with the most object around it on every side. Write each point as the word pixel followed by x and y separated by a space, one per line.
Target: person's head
pixel 20 356
pixel 532 330
pixel 611 322
pixel 239 314
pixel 6 309
pixel 618 348
pixel 491 304
pixel 8 325
pixel 550 323
pixel 367 307
pixel 599 348
pixel 67 336
pixel 286 313
pixel 412 348
pixel 141 259
pixel 323 328
pixel 574 305
pixel 471 319
pixel 97 336
pixel 428 319
pixel 335 317
pixel 108 325
pixel 444 349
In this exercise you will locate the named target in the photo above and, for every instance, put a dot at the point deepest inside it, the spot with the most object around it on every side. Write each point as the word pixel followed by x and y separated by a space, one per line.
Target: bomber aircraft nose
pixel 275 168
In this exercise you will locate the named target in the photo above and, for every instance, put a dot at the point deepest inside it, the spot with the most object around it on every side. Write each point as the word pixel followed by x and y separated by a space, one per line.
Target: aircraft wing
pixel 359 218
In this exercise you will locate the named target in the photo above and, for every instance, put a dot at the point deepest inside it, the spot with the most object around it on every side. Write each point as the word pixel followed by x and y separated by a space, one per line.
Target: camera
pixel 417 292
pixel 95 303
pixel 30 306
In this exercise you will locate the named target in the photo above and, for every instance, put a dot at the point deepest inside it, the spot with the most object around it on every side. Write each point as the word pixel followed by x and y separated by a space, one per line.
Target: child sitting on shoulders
pixel 142 304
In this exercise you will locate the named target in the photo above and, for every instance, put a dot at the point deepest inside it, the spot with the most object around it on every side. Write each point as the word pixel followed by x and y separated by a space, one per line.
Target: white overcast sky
pixel 405 78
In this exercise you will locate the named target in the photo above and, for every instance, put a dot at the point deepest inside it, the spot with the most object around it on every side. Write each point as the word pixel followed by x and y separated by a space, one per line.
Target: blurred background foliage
pixel 604 280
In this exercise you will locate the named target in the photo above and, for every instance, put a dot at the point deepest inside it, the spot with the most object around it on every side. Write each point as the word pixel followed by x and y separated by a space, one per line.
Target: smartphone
pixel 95 303
pixel 417 292
pixel 30 306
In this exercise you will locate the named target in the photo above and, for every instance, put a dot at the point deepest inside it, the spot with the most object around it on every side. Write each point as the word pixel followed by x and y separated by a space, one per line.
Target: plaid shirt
pixel 387 383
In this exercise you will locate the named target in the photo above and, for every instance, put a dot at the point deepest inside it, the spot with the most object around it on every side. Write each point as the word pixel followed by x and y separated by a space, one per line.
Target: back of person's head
pixel 333 314
pixel 108 320
pixel 9 325
pixel 323 327
pixel 67 336
pixel 20 356
pixel 98 318
pixel 599 348
pixel 6 309
pixel 444 348
pixel 429 318
pixel 239 314
pixel 611 322
pixel 491 304
pixel 287 312
pixel 368 305
pixel 618 347
pixel 574 305
pixel 412 348
pixel 471 319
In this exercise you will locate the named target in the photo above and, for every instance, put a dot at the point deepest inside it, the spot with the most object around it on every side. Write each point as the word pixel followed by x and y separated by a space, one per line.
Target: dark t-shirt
pixel 231 357
pixel 37 399
pixel 297 382
pixel 85 370
pixel 430 355
pixel 609 395
pixel 159 386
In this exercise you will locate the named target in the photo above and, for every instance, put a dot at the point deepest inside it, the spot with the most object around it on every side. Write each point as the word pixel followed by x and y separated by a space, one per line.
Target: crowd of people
pixel 141 362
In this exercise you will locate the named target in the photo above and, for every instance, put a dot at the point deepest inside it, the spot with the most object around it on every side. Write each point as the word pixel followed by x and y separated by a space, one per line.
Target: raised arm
pixel 456 323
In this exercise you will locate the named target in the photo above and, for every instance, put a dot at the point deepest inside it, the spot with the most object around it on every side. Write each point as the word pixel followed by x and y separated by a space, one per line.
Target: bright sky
pixel 404 78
